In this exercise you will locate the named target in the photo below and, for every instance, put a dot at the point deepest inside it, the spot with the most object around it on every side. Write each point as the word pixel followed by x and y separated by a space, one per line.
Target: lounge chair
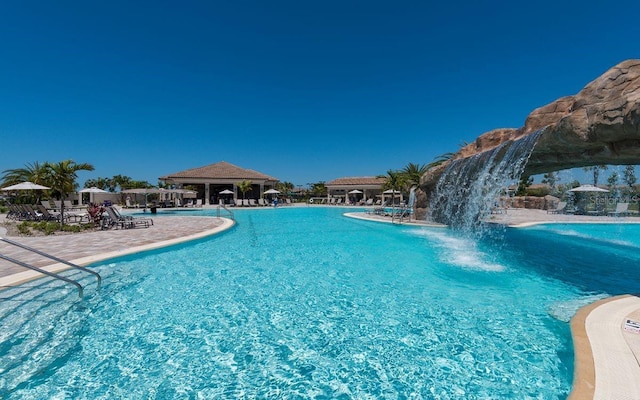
pixel 15 212
pixel 622 210
pixel 198 203
pixel 124 221
pixel 245 202
pixel 252 203
pixel 46 215
pixel 32 214
pixel 560 208
pixel 262 202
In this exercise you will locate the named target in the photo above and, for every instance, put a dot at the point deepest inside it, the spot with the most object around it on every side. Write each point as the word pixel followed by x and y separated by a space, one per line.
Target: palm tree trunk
pixel 61 214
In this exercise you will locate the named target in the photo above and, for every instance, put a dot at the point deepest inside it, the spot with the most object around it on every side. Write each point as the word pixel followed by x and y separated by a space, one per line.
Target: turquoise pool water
pixel 306 303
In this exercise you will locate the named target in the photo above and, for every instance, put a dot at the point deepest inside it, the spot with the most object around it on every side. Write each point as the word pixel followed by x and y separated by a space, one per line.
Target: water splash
pixel 471 187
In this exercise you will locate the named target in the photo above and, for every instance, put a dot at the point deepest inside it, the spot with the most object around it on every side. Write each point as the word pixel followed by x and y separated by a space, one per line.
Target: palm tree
pixel 244 187
pixel 61 177
pixel 440 159
pixel 413 173
pixel 100 183
pixel 596 172
pixel 35 173
pixel 284 187
pixel 319 189
pixel 629 177
pixel 394 181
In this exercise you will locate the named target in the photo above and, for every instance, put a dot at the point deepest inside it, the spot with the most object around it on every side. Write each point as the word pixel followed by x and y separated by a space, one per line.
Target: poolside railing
pixel 228 213
pixel 45 272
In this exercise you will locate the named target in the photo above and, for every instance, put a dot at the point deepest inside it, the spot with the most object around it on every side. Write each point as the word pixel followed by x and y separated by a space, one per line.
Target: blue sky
pixel 300 90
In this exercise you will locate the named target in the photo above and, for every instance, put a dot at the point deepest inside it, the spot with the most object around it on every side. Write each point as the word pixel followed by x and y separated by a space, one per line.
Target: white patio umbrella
pixel 25 186
pixel 272 191
pixel 182 192
pixel 588 188
pixel 354 191
pixel 145 191
pixel 224 193
pixel 91 191
pixel 391 192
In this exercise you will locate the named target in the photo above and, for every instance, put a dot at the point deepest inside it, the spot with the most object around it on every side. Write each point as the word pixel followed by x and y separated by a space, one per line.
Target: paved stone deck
pixel 83 248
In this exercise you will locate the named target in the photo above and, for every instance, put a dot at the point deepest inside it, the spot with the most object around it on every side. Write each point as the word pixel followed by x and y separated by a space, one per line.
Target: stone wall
pixel 538 203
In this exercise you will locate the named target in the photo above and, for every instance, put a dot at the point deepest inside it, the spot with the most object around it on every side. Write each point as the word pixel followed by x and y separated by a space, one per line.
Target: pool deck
pixel 86 248
pixel 607 348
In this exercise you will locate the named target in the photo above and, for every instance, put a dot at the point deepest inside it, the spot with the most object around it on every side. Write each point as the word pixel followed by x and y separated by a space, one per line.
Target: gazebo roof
pixel 220 170
pixel 356 181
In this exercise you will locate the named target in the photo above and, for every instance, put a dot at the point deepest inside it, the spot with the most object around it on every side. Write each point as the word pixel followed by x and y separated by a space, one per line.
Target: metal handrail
pixel 42 271
pixel 226 209
pixel 31 249
pixel 402 210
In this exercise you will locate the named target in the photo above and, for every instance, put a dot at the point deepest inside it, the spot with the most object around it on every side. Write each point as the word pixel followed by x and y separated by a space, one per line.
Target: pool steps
pixel 42 271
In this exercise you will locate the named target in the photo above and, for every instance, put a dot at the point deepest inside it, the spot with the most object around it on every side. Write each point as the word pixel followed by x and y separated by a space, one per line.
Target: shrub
pixel 74 228
pixel 539 191
pixel 24 229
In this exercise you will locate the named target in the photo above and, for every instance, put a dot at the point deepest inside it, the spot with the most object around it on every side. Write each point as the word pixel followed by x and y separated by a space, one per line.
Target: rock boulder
pixel 599 125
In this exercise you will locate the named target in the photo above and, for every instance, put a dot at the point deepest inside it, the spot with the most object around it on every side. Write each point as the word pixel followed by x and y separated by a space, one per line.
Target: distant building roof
pixel 355 181
pixel 220 170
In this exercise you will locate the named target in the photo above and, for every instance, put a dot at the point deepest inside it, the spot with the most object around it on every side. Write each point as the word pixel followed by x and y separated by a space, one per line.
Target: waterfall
pixel 470 187
pixel 412 197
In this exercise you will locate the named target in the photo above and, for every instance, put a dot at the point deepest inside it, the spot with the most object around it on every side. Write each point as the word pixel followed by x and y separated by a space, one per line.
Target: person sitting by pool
pixel 275 202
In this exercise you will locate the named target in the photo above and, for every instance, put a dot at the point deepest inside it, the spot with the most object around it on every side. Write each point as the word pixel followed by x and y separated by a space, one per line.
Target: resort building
pixel 209 181
pixel 355 189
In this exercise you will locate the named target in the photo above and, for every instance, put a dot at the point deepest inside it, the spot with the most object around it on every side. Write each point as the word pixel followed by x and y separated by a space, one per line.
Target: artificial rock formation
pixel 599 125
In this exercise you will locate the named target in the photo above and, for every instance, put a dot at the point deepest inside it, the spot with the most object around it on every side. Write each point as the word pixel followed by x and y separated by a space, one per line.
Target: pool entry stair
pixel 227 213
pixel 48 273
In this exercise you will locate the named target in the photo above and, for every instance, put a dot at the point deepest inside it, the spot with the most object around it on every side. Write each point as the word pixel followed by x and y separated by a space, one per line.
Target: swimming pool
pixel 306 303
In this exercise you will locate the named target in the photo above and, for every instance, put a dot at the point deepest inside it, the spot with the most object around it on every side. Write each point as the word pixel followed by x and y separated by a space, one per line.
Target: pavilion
pixel 212 179
pixel 370 186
